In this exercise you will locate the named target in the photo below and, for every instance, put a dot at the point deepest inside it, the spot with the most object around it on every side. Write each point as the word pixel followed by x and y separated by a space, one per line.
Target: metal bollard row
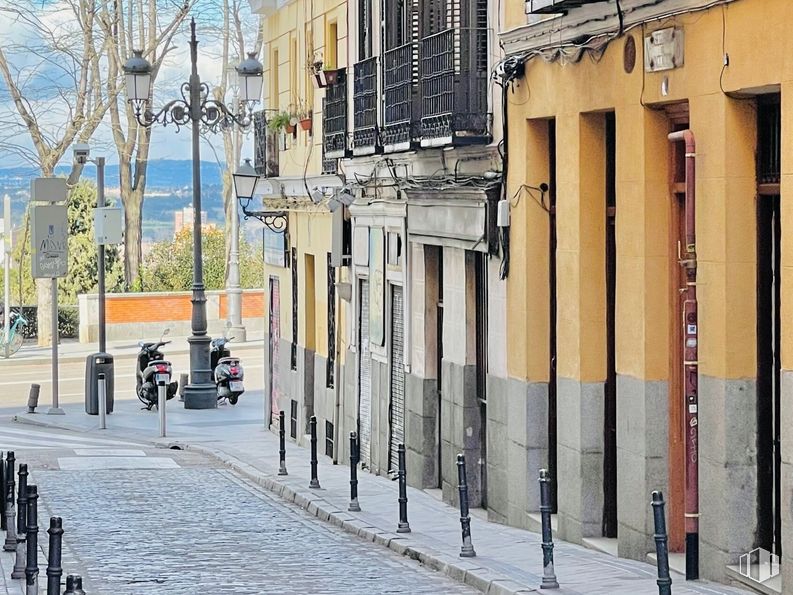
pixel 403 525
pixel 661 546
pixel 548 574
pixel 282 444
pixel 21 520
pixel 22 515
pixel 312 426
pixel 467 549
pixel 10 544
pixel 74 585
pixel 354 460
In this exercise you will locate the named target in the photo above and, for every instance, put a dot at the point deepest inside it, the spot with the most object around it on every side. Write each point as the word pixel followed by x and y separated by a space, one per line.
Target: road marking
pixel 108 452
pixel 68 437
pixel 94 463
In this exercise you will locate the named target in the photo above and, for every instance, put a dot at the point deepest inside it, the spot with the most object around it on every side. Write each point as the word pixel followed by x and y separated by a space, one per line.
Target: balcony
pixel 400 82
pixel 334 119
pixel 265 145
pixel 364 136
pixel 454 77
pixel 554 6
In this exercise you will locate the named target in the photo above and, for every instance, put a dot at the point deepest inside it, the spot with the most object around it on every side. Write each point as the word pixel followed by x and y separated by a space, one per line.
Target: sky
pixel 42 77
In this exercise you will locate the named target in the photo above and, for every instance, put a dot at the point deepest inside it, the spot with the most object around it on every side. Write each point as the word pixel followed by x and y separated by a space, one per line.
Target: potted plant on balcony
pixel 280 121
pixel 305 117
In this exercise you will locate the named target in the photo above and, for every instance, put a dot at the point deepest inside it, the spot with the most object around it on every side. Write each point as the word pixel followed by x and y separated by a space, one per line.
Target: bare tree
pixel 52 70
pixel 149 26
pixel 236 27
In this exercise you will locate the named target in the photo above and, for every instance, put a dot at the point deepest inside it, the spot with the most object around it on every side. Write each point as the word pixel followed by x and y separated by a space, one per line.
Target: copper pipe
pixel 688 260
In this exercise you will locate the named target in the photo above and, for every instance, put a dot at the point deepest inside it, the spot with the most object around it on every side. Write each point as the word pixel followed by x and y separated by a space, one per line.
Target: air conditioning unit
pixel 556 6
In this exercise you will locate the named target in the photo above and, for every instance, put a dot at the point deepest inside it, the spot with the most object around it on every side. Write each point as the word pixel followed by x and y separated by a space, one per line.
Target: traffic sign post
pixel 50 253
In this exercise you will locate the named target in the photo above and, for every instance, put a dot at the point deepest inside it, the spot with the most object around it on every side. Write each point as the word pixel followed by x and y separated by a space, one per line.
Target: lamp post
pixel 195 108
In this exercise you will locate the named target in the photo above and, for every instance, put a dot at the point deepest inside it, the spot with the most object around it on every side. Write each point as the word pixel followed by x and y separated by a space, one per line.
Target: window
pixel 294 308
pixel 275 89
pixel 293 419
pixel 331 46
pixel 328 439
pixel 364 29
pixel 331 361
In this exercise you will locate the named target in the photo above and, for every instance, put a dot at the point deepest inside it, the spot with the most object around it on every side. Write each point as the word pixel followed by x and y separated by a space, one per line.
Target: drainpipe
pixel 688 261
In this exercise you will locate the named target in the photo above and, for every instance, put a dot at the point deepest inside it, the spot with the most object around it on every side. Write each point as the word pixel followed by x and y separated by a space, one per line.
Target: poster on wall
pixel 274 248
pixel 376 286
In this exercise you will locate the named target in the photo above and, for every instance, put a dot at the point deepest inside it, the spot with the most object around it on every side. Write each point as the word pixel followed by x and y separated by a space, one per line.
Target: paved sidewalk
pixel 508 560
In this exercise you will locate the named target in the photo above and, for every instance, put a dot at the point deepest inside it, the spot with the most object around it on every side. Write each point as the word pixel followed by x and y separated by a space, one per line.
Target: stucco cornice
pixel 600 18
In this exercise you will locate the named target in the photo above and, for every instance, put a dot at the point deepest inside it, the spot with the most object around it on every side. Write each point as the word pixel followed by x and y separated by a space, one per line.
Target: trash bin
pixel 96 364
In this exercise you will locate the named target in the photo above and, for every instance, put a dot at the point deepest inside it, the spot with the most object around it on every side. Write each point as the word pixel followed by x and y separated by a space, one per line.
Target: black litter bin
pixel 96 364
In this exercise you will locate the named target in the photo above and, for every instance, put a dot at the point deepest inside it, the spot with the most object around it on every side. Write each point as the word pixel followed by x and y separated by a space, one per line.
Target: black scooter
pixel 151 369
pixel 227 371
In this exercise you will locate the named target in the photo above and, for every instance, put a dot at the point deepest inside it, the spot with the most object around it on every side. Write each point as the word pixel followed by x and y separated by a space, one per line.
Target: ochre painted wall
pixel 725 128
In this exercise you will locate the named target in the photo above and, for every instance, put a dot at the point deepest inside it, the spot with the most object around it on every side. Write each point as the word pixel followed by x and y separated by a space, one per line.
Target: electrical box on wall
pixel 664 49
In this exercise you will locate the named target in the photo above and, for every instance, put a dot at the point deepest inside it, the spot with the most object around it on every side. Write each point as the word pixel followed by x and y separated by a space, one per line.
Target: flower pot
pixel 306 124
pixel 331 76
pixel 290 128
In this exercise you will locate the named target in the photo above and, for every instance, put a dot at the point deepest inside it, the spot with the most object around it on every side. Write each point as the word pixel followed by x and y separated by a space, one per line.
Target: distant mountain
pixel 169 188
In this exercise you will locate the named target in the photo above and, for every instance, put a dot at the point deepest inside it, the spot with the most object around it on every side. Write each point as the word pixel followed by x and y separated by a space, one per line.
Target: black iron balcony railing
pixel 334 118
pixel 400 82
pixel 364 136
pixel 454 78
pixel 265 142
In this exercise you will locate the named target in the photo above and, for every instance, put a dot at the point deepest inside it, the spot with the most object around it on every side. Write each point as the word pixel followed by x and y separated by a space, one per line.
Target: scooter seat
pixel 232 361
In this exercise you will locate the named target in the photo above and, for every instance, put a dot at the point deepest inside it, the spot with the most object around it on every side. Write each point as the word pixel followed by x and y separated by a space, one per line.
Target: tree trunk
pixel 44 313
pixel 133 232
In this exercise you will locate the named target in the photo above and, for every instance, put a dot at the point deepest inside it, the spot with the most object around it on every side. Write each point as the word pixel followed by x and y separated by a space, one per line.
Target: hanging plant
pixel 279 121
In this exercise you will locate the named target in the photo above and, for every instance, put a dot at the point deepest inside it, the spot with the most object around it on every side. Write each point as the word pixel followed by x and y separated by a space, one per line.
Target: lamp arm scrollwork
pixel 275 221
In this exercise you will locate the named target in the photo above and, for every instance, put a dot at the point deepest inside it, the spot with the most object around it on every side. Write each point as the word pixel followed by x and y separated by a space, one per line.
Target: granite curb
pixel 464 571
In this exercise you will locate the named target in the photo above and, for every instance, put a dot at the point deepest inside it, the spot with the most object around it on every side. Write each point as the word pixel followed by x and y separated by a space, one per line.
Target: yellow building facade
pixel 304 311
pixel 600 310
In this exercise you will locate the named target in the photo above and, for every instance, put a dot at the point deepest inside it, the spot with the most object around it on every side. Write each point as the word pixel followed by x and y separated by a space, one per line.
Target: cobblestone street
pixel 199 529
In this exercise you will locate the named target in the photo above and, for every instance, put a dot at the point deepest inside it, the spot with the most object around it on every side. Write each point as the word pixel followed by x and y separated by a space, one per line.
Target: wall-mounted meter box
pixel 109 225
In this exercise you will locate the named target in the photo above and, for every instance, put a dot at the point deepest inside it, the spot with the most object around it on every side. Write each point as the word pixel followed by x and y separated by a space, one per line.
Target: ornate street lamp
pixel 245 183
pixel 196 108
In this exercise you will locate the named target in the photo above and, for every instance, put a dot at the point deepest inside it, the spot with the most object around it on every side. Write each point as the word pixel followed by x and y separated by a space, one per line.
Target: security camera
pixel 81 152
pixel 345 197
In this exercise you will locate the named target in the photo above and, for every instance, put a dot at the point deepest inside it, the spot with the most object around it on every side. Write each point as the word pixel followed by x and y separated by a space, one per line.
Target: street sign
pixel 48 189
pixel 49 241
pixel 108 225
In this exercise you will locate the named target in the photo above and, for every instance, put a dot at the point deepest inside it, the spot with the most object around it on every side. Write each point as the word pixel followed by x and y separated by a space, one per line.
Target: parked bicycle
pixel 11 344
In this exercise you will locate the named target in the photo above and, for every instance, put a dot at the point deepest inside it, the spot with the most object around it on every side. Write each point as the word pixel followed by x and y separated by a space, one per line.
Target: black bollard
pixel 354 506
pixel 403 526
pixel 22 527
pixel 661 548
pixel 467 549
pixel 54 570
pixel 312 426
pixel 10 544
pixel 32 568
pixel 548 575
pixel 74 585
pixel 2 493
pixel 282 443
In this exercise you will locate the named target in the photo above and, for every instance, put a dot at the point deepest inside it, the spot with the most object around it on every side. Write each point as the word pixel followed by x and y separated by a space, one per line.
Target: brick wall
pixel 141 315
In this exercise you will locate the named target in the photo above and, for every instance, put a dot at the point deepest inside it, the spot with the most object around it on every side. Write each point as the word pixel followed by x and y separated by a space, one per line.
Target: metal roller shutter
pixel 397 408
pixel 365 379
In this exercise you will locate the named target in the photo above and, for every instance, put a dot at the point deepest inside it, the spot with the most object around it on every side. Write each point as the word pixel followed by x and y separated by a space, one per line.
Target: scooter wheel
pixel 233 399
